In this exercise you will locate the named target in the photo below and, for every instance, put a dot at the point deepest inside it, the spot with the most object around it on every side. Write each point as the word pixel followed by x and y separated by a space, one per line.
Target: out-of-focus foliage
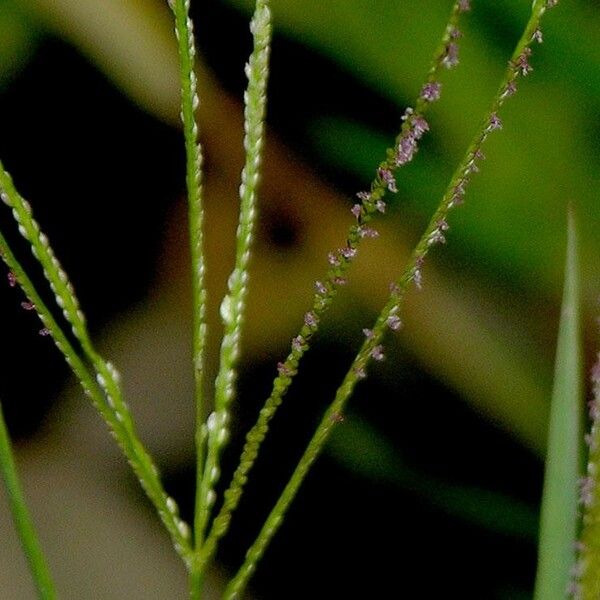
pixel 130 41
pixel 517 213
pixel 18 35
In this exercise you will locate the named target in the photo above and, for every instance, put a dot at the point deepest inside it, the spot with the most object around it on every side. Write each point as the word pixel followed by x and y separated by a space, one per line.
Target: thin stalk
pixel 184 30
pixel 195 581
pixel 103 386
pixel 371 347
pixel 234 304
pixel 22 519
pixel 445 57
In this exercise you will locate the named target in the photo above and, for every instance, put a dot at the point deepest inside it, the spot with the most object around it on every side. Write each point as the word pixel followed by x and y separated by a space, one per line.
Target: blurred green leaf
pixel 18 39
pixel 360 448
pixel 559 515
pixel 132 42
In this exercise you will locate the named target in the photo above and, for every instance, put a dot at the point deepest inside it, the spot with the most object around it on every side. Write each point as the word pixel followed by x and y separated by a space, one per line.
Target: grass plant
pixel 560 572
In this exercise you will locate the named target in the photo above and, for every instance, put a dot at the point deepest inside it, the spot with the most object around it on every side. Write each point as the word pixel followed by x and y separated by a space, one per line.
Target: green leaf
pixel 559 516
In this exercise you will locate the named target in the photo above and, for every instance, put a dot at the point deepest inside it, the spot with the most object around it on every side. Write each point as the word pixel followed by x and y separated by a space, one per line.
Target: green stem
pixel 195 583
pixel 371 346
pixel 104 391
pixel 234 303
pixel 22 518
pixel 184 31
pixel 321 303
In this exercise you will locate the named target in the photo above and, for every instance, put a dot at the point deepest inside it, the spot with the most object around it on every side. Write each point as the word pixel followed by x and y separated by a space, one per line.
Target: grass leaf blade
pixel 559 513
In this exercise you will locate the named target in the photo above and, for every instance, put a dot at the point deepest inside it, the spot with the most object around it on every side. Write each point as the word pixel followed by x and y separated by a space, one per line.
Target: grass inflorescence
pixel 389 318
pixel 101 381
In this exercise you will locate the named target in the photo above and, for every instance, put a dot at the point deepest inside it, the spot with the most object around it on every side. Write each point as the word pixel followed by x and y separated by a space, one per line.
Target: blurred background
pixel 432 483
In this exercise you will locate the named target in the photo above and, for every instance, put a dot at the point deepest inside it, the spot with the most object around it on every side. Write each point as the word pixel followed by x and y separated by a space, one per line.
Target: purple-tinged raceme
pixel 360 372
pixel 371 347
pixel 450 59
pixel 298 344
pixel 388 178
pixel 394 322
pixel 320 287
pixel 285 370
pixel 417 274
pixel 586 585
pixel 333 259
pixel 404 153
pixel 310 320
pixel 337 418
pixel 348 252
pixel 495 122
pixel 586 490
pixel 419 126
pixel 367 232
pixel 431 91
pixel 377 353
pixel 522 63
pixel 414 126
pixel 510 89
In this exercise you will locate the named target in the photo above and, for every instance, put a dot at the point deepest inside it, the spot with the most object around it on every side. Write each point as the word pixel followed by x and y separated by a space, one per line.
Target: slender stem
pixel 195 581
pixel 372 202
pixel 184 30
pixel 103 388
pixel 234 303
pixel 371 348
pixel 22 518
